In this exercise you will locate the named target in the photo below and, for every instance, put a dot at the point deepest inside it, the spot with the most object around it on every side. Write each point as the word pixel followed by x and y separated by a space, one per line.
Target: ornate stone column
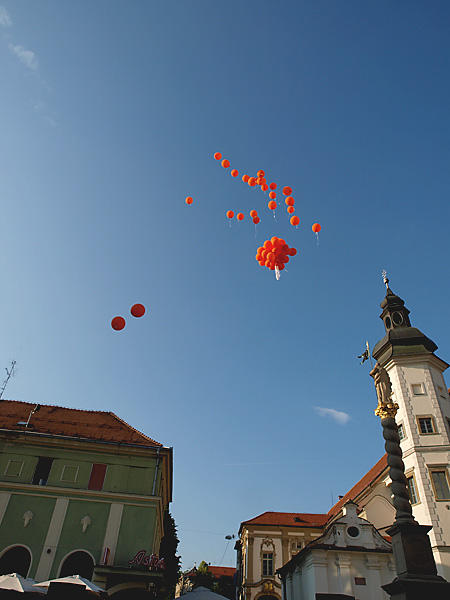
pixel 417 577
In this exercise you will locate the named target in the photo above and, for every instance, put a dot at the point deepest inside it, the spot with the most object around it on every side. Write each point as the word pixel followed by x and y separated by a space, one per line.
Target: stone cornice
pixel 78 494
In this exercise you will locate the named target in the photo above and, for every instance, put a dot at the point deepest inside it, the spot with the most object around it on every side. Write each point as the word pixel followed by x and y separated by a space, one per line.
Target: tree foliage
pixel 203 577
pixel 225 587
pixel 168 551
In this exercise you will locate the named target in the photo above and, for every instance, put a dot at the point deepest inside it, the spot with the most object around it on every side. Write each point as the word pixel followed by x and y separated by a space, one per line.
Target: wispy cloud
pixel 340 417
pixel 26 56
pixel 5 19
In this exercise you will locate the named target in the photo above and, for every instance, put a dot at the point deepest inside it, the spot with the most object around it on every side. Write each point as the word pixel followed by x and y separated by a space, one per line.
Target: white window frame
pixel 400 425
pixel 409 476
pixel 12 460
pixel 76 473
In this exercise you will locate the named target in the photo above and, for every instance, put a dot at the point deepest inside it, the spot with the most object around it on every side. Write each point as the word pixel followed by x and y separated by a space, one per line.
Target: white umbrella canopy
pixel 76 580
pixel 17 583
pixel 202 593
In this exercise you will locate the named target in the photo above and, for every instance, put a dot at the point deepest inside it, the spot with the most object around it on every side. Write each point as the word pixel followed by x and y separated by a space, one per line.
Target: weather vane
pixel 385 277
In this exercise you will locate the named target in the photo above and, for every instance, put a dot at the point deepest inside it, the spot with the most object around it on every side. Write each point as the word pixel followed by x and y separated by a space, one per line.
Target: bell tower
pixel 423 419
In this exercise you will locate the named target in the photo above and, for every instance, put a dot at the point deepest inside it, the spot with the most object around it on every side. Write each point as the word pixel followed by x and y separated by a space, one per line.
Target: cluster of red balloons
pixel 260 180
pixel 274 254
pixel 137 310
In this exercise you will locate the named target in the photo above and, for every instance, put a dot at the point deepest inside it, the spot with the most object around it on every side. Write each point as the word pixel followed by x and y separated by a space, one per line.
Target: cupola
pixel 395 314
pixel 401 338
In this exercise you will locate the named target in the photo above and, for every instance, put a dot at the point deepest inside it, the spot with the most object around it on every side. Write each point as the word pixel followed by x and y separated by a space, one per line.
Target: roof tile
pixel 95 425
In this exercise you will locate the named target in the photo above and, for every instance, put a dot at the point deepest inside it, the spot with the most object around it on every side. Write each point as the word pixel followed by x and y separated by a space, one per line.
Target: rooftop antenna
pixel 385 278
pixel 35 409
pixel 9 373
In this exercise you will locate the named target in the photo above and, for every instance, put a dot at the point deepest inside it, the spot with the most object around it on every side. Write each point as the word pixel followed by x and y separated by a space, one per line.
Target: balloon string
pixel 277 272
pixel 255 231
pixel 274 216
pixel 317 236
pixel 230 222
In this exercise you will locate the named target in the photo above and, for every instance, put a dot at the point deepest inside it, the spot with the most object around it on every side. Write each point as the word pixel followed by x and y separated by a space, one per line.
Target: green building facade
pixel 81 492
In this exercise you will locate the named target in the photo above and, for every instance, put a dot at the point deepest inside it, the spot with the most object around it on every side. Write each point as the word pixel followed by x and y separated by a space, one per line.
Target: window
pixel 14 468
pixel 418 389
pixel 42 470
pixel 297 546
pixel 448 423
pixel 426 425
pixel 401 432
pixel 69 473
pixel 440 484
pixel 267 563
pixel 97 477
pixel 413 496
pixel 442 393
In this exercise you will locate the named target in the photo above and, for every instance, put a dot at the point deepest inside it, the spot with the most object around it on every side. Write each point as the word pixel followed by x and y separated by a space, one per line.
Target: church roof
pixel 359 487
pixel 91 425
pixel 282 519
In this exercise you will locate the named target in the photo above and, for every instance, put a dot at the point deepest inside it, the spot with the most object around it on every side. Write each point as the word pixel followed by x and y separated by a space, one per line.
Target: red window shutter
pixel 97 477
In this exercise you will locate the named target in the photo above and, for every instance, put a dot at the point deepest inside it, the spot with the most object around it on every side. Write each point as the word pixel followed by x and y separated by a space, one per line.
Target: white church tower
pixel 423 419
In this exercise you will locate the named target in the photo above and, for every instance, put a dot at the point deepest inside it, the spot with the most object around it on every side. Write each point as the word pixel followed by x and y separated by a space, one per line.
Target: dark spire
pixel 395 314
pixel 401 338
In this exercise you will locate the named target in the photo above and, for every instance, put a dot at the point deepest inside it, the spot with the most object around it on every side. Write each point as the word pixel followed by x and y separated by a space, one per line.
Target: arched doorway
pixel 15 560
pixel 78 563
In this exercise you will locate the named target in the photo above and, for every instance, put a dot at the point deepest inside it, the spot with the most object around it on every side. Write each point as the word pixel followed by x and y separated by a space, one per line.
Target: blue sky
pixel 110 115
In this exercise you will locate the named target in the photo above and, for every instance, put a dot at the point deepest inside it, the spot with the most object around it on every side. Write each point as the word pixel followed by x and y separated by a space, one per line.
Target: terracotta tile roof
pixel 359 487
pixel 70 422
pixel 221 571
pixel 288 519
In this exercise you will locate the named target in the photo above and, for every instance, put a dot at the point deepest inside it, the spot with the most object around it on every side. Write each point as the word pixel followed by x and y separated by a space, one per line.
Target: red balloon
pixel 137 310
pixel 225 163
pixel 290 209
pixel 293 251
pixel 272 205
pixel 234 173
pixel 118 323
pixel 272 195
pixel 217 156
pixel 287 191
pixel 256 220
pixel 273 186
pixel 230 214
pixel 260 173
pixel 264 187
pixel 245 178
pixel 189 200
pixel 268 245
pixel 316 227
pixel 289 201
pixel 252 181
pixel 240 217
pixel 295 220
pixel 253 213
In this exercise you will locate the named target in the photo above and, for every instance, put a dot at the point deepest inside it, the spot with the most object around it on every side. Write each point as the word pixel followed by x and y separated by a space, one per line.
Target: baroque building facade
pixel 81 492
pixel 416 383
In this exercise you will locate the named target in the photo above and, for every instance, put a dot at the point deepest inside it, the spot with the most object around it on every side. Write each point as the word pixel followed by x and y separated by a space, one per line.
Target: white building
pixel 350 558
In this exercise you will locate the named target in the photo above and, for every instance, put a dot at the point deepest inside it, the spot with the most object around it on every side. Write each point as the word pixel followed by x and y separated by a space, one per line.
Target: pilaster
pixel 52 539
